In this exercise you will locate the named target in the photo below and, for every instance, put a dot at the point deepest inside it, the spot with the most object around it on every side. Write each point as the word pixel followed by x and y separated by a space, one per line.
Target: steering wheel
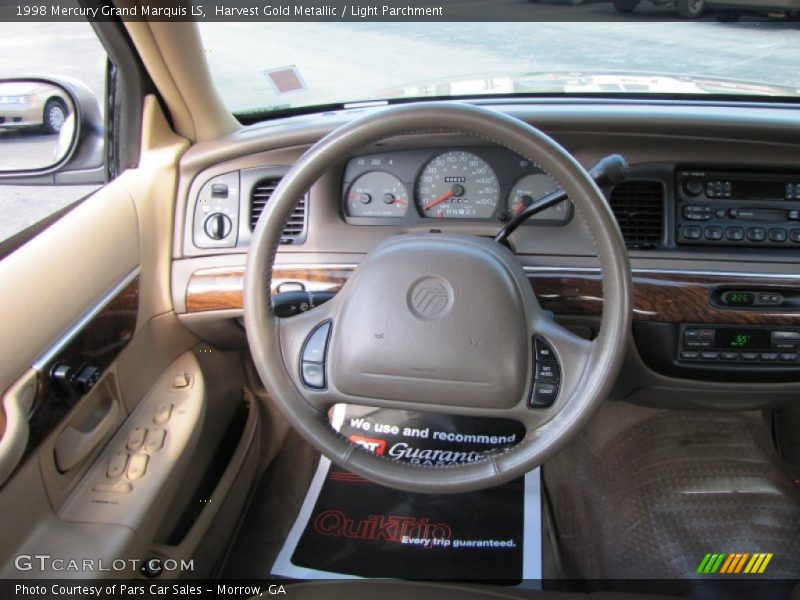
pixel 436 322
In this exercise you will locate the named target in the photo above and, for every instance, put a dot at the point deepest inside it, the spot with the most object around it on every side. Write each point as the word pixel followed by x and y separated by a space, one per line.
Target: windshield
pixel 261 67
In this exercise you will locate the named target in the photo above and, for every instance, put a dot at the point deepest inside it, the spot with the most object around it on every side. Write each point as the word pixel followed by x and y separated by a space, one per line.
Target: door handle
pixel 76 441
pixel 17 402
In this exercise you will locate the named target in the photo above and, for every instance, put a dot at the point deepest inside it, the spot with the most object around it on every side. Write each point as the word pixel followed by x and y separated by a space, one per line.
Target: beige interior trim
pixel 173 56
pixel 152 186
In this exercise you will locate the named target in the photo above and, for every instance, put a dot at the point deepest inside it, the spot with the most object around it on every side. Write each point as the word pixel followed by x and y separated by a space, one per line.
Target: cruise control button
pixel 117 464
pixel 543 350
pixel 136 439
pixel 544 394
pixel 163 414
pixel 155 440
pixel 137 466
pixel 314 375
pixel 547 370
pixel 314 350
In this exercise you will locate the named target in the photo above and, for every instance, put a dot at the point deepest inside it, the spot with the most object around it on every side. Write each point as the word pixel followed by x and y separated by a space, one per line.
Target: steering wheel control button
pixel 155 440
pixel 315 348
pixel 544 394
pixel 137 466
pixel 546 374
pixel 117 464
pixel 163 414
pixel 113 488
pixel 547 370
pixel 543 349
pixel 314 375
pixel 314 351
pixel 136 439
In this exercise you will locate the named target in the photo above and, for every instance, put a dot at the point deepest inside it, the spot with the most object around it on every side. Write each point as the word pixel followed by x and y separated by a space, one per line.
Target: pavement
pixel 343 61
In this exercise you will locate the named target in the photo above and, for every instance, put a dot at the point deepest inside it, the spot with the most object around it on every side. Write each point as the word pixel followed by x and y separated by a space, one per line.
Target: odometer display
pixel 457 185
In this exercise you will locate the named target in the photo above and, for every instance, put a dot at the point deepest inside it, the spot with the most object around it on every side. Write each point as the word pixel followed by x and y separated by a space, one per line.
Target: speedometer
pixel 457 185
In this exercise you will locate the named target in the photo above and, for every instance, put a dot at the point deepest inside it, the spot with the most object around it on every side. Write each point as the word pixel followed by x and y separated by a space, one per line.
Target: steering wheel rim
pixel 275 344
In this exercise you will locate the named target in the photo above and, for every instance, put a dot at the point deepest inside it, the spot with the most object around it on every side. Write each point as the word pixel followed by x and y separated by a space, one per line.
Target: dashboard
pixel 470 183
pixel 710 215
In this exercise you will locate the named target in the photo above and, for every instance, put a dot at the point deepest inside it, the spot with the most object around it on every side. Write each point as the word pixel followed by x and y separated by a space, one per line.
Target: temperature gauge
pixel 377 194
pixel 533 187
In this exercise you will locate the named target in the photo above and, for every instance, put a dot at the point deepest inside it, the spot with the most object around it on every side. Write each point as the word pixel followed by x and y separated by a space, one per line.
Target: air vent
pixel 639 209
pixel 295 230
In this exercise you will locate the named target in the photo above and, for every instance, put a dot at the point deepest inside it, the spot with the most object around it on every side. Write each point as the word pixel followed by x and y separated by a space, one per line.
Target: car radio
pixel 738 209
pixel 742 345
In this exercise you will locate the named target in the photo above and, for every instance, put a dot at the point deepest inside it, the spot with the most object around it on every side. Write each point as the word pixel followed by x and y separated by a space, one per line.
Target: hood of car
pixel 577 82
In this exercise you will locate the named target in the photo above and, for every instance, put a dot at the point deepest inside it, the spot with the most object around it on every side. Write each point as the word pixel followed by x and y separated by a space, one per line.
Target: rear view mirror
pixel 51 131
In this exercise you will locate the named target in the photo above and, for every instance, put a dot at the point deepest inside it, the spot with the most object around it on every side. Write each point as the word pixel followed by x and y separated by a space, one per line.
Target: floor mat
pixel 349 527
pixel 646 494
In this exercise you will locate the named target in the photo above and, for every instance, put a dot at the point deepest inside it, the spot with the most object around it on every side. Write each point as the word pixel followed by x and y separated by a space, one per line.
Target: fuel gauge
pixel 377 194
pixel 532 188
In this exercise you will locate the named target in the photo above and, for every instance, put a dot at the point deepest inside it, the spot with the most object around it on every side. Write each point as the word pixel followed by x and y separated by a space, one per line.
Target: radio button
pixel 729 356
pixel 720 213
pixel 794 235
pixel 709 355
pixel 690 355
pixel 692 232
pixel 713 233
pixel 769 299
pixel 697 212
pixel 789 356
pixel 793 215
pixel 756 234
pixel 769 356
pixel 777 235
pixel 734 234
pixel 749 356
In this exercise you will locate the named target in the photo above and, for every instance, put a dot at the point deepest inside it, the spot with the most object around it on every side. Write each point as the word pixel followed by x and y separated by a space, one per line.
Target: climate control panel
pixel 772 346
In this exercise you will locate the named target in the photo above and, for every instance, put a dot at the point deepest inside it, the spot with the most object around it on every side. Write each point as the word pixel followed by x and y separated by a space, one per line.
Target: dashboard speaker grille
pixel 295 230
pixel 639 209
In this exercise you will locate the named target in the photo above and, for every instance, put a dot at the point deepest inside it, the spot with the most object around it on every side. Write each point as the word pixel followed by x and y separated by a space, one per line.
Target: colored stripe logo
pixel 734 563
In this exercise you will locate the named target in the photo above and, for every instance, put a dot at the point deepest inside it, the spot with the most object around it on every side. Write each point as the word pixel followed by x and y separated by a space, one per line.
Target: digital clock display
pixel 739 339
pixel 738 298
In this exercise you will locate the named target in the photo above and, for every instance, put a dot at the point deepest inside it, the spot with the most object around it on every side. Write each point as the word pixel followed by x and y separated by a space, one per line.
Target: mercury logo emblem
pixel 430 298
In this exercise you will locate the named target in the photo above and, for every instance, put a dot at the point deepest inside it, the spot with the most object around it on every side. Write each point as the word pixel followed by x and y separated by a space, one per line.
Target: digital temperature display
pixel 743 338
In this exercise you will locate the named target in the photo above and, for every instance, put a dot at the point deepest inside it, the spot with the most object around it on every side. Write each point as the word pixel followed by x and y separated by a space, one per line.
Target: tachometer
pixel 457 185
pixel 377 194
pixel 533 187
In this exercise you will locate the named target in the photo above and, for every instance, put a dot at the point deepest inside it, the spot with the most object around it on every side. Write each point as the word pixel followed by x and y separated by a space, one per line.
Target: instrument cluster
pixel 473 183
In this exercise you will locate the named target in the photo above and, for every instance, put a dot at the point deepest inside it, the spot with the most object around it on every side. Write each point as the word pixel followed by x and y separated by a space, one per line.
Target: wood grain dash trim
pixel 664 297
